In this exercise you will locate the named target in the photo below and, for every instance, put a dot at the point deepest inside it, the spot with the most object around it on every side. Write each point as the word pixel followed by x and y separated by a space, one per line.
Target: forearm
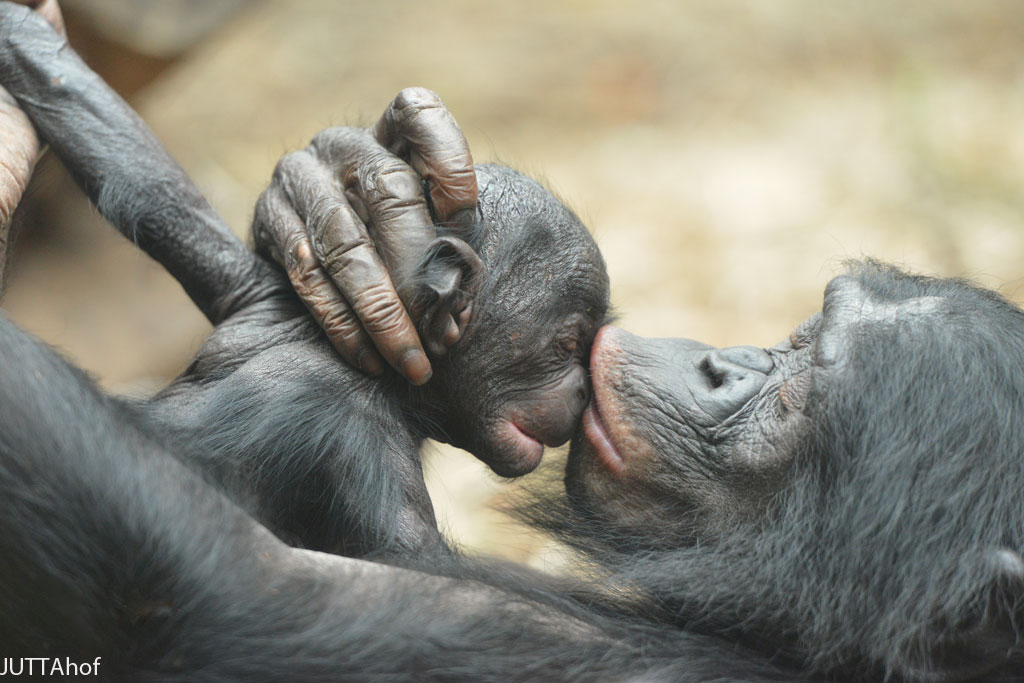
pixel 122 167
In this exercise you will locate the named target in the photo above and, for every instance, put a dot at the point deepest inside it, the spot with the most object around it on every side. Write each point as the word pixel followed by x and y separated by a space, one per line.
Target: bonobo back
pixel 307 443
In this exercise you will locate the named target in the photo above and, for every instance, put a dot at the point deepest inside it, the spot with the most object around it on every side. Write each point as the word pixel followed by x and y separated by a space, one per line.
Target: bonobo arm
pixel 112 551
pixel 123 168
pixel 317 452
pixel 110 548
pixel 315 489
pixel 311 221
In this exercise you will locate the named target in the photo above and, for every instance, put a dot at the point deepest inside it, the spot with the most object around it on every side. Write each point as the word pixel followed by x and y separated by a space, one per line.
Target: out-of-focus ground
pixel 727 156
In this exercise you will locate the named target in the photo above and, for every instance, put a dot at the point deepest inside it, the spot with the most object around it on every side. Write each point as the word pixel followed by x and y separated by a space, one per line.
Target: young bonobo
pixel 843 506
pixel 330 455
pixel 325 457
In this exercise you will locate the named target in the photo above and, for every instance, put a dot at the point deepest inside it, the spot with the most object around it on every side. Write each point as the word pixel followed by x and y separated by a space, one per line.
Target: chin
pixel 579 470
pixel 596 491
pixel 507 450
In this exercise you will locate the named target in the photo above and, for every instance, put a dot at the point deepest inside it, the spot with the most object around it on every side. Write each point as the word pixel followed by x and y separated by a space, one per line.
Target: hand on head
pixel 348 219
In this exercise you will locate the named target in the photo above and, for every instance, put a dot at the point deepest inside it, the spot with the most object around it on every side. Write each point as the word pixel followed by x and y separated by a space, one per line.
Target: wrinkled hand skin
pixel 19 148
pixel 139 189
pixel 348 220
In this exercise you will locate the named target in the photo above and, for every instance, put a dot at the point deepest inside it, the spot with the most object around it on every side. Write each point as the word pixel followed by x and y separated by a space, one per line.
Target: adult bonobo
pixel 846 502
pixel 321 454
pixel 844 505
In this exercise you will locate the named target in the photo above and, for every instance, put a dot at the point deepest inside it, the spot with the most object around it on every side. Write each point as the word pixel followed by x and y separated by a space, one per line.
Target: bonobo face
pixel 683 433
pixel 688 439
pixel 517 380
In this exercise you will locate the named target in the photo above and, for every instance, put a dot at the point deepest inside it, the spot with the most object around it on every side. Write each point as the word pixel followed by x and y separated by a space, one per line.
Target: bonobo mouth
pixel 520 452
pixel 596 434
pixel 603 406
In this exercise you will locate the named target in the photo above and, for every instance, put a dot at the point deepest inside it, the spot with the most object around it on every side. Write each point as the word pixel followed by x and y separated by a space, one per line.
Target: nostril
pixel 713 373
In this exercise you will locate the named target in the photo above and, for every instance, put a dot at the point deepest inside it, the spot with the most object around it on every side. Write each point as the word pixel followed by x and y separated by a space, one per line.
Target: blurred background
pixel 727 155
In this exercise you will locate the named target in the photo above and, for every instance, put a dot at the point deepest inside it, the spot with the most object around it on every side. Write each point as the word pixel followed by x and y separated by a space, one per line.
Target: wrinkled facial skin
pixel 683 433
pixel 685 439
pixel 517 381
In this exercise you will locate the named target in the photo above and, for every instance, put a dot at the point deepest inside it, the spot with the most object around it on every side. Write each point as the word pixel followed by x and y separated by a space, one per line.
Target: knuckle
pixel 309 285
pixel 336 257
pixel 330 141
pixel 389 178
pixel 380 310
pixel 324 212
pixel 341 324
pixel 336 233
pixel 287 166
pixel 418 98
pixel 331 134
pixel 300 254
pixel 270 233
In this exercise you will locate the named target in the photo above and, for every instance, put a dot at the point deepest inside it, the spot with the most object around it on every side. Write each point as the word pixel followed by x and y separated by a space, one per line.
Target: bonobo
pixel 270 411
pixel 849 499
pixel 319 453
pixel 845 503
pixel 842 506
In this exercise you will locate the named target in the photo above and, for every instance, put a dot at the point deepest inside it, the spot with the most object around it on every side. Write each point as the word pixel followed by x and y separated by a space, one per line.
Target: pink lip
pixel 597 434
pixel 529 450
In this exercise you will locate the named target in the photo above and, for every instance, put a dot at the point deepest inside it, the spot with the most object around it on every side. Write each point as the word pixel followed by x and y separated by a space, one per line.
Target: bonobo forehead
pixel 851 310
pixel 919 315
pixel 525 232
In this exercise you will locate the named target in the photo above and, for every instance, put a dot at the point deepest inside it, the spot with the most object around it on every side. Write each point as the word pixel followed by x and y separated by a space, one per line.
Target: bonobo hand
pixel 19 144
pixel 314 218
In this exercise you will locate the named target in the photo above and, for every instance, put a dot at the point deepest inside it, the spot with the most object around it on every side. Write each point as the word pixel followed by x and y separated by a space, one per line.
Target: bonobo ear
pixel 446 282
pixel 987 631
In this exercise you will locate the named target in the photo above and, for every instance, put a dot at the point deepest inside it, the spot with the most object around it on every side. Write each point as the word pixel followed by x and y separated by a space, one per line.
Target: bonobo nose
pixel 732 377
pixel 705 384
pixel 736 361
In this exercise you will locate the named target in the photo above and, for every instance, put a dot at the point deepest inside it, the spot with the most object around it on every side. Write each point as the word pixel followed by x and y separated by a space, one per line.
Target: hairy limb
pixel 124 169
pixel 111 548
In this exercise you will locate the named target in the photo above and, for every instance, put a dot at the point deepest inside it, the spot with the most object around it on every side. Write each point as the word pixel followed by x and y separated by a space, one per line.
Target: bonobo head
pixel 851 496
pixel 517 378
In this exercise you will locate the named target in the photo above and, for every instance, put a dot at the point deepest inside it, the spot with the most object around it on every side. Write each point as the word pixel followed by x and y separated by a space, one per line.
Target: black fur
pixel 137 531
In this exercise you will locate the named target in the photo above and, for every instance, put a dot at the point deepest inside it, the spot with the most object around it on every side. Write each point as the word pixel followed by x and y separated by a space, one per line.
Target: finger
pixel 388 193
pixel 341 244
pixel 280 233
pixel 417 127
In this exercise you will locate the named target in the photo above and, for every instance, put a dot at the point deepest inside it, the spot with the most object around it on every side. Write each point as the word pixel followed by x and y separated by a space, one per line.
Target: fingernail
pixel 369 362
pixel 416 367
